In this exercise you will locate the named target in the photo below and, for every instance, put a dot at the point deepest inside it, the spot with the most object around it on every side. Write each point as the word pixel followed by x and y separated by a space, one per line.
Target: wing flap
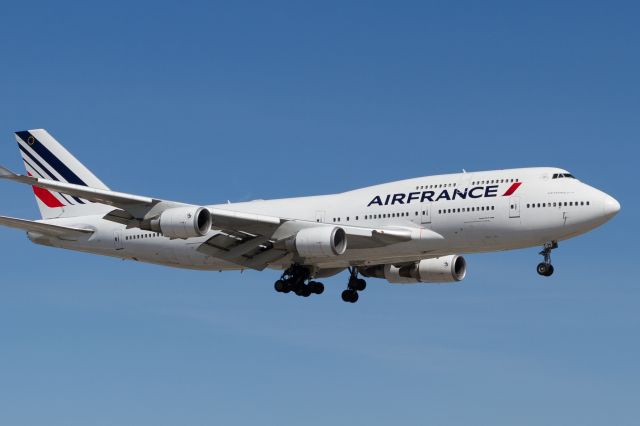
pixel 247 250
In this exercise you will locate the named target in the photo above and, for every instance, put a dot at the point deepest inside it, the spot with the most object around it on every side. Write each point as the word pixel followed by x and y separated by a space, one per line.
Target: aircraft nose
pixel 611 206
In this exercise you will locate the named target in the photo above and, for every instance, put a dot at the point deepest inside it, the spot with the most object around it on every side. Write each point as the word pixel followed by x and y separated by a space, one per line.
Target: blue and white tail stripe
pixel 31 159
pixel 34 153
pixel 30 142
pixel 45 158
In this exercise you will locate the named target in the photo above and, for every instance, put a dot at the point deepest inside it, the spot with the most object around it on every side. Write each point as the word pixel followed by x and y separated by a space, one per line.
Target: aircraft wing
pixel 255 241
pixel 44 228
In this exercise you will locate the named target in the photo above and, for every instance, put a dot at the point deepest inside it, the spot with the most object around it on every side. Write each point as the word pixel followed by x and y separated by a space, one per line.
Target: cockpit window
pixel 563 175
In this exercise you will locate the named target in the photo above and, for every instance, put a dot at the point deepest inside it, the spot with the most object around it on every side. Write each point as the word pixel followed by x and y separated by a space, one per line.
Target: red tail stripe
pixel 512 189
pixel 46 197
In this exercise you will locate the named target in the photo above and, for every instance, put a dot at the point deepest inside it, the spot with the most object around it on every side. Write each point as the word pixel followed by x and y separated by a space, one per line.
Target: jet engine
pixel 183 222
pixel 437 270
pixel 322 241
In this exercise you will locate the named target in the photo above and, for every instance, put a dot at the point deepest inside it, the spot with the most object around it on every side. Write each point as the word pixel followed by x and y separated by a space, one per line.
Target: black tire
pixel 346 295
pixel 543 269
pixel 361 284
pixel 294 285
pixel 550 271
pixel 354 297
pixel 354 284
pixel 316 287
pixel 280 286
pixel 304 291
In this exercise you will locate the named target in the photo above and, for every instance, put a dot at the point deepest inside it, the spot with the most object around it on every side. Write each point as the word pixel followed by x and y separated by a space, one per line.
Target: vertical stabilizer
pixel 45 158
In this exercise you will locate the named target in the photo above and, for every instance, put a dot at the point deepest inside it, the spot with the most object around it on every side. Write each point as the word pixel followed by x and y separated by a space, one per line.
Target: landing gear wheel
pixel 354 285
pixel 350 296
pixel 546 268
pixel 357 284
pixel 316 287
pixel 280 286
pixel 362 284
pixel 543 269
pixel 305 291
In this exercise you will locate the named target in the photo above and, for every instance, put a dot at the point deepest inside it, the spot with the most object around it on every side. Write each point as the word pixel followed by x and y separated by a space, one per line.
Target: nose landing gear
pixel 545 268
pixel 355 285
pixel 293 280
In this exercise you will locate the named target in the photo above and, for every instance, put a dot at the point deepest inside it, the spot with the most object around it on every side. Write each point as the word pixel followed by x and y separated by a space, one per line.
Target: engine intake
pixel 321 242
pixel 183 222
pixel 444 269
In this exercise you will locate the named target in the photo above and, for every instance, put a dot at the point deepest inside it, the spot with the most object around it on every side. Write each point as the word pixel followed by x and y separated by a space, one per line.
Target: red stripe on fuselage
pixel 512 189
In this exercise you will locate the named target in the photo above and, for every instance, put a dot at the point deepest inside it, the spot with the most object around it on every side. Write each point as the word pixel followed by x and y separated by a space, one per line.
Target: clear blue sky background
pixel 208 102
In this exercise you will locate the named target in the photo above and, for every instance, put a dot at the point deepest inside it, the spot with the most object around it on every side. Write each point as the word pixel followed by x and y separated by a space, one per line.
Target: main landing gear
pixel 293 280
pixel 546 268
pixel 355 285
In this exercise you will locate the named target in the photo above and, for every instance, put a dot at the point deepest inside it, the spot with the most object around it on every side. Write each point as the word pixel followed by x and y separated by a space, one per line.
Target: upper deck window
pixel 563 175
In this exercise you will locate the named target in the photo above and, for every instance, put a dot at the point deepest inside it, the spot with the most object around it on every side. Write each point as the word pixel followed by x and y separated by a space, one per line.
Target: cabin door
pixel 425 213
pixel 514 207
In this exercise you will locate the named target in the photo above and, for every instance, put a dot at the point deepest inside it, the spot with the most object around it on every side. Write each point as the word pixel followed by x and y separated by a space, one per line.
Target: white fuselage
pixel 468 212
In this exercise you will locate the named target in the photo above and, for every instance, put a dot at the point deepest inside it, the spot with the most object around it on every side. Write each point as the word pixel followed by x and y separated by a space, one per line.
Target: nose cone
pixel 611 207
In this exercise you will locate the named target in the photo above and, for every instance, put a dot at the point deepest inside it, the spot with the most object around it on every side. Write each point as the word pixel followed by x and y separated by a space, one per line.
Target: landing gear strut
pixel 355 285
pixel 293 280
pixel 546 268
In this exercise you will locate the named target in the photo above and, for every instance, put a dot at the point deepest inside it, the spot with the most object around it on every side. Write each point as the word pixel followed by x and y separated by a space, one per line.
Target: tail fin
pixel 45 158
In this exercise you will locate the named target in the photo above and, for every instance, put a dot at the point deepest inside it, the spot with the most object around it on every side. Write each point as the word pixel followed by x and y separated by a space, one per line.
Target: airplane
pixel 406 232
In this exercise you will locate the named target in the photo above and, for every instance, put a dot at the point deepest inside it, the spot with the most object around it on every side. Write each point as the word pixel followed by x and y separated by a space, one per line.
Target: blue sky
pixel 207 102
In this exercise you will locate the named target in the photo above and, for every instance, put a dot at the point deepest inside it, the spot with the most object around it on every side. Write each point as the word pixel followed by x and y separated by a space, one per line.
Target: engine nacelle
pixel 438 270
pixel 320 242
pixel 183 222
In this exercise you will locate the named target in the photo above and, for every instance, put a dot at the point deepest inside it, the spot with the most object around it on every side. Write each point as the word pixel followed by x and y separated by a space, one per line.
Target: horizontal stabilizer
pixel 44 228
pixel 137 205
